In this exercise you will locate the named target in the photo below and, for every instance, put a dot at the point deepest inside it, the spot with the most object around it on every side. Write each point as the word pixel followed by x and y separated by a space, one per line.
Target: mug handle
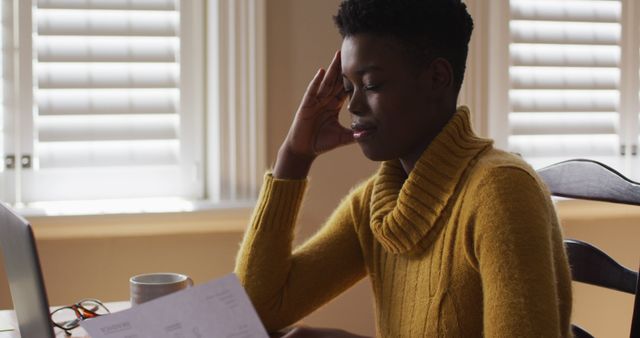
pixel 189 282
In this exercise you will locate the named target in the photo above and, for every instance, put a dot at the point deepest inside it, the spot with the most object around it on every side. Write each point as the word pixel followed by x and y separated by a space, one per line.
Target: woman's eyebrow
pixel 366 69
pixel 369 68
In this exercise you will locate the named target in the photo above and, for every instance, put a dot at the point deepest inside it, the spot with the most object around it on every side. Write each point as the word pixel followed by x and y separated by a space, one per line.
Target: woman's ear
pixel 437 77
pixel 440 75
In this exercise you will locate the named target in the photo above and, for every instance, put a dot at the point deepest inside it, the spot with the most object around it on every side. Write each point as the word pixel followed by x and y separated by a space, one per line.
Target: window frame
pixel 236 105
pixel 227 39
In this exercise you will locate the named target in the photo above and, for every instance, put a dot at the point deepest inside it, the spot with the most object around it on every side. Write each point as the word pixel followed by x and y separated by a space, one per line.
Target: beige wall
pixel 615 230
pixel 301 38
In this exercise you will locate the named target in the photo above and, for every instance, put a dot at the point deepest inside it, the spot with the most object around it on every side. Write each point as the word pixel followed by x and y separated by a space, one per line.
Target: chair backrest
pixel 591 180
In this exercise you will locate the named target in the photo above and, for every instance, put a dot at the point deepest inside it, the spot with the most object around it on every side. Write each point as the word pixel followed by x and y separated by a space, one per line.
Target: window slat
pixel 107 49
pixel 156 5
pixel 97 102
pixel 564 55
pixel 105 22
pixel 83 75
pixel 554 10
pixel 564 78
pixel 107 127
pixel 107 154
pixel 562 145
pixel 576 33
pixel 563 101
pixel 563 123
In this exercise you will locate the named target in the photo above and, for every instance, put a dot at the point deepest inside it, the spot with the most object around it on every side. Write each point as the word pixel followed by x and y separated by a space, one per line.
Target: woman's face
pixel 391 98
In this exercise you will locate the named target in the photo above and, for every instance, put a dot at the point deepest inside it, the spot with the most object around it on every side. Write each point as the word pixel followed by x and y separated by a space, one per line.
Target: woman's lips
pixel 361 131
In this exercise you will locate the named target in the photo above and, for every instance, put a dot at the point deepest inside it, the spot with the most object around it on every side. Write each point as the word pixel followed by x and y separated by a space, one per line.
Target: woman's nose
pixel 356 104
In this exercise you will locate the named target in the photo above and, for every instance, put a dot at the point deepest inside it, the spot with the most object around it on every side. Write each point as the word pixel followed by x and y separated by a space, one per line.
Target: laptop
pixel 22 267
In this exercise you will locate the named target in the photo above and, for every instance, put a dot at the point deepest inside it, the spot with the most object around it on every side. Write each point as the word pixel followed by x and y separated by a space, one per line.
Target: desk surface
pixel 8 319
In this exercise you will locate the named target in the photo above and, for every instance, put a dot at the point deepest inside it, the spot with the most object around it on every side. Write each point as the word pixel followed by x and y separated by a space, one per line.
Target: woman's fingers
pixel 346 136
pixel 340 96
pixel 316 128
pixel 330 136
pixel 316 103
pixel 326 87
pixel 330 81
pixel 310 96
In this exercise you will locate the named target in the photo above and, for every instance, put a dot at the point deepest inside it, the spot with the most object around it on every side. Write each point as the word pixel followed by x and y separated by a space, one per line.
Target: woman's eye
pixel 371 87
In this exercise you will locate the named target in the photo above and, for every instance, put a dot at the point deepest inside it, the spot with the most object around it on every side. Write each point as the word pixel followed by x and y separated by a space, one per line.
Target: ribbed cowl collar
pixel 404 211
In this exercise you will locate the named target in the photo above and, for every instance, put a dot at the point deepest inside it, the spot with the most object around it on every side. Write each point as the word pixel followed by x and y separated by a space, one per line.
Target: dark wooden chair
pixel 591 180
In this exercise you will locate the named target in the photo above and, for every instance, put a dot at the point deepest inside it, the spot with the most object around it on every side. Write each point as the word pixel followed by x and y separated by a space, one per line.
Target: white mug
pixel 148 286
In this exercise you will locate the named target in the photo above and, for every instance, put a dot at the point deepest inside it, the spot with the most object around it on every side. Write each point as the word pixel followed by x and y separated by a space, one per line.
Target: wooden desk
pixel 8 318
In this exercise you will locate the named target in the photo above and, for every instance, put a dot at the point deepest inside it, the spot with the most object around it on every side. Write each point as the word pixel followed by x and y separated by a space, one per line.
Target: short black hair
pixel 428 28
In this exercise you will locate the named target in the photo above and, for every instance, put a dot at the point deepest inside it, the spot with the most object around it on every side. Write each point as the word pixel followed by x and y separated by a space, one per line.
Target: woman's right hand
pixel 315 128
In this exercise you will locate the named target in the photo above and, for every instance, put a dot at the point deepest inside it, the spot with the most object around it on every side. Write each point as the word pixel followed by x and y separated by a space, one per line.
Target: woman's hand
pixel 315 128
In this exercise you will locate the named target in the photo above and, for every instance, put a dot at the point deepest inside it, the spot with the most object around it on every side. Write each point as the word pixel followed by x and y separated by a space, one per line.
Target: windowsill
pixel 203 219
pixel 235 219
pixel 123 206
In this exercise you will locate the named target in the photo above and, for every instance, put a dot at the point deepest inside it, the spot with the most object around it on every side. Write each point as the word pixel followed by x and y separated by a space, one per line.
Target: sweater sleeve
pixel 514 251
pixel 285 286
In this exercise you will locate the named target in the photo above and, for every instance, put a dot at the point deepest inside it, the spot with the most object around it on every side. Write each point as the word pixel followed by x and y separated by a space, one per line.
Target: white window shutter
pixel 108 103
pixel 12 135
pixel 4 23
pixel 565 72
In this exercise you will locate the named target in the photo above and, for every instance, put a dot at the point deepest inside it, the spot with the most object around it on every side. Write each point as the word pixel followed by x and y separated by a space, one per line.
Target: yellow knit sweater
pixel 468 245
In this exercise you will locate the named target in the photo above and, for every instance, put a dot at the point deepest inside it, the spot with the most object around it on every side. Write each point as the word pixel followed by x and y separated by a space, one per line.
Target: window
pixel 564 89
pixel 116 100
pixel 563 77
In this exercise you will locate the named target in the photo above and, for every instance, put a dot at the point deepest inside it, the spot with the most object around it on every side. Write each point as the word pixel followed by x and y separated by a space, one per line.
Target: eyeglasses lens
pixel 65 318
pixel 91 308
pixel 69 317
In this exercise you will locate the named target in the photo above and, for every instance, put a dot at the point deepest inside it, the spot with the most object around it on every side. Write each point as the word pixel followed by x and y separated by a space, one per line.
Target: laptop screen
pixel 23 271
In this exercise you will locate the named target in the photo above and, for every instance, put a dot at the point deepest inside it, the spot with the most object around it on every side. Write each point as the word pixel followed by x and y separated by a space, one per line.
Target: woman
pixel 459 239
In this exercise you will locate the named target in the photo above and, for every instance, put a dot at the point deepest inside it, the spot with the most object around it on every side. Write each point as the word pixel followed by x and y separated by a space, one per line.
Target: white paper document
pixel 220 308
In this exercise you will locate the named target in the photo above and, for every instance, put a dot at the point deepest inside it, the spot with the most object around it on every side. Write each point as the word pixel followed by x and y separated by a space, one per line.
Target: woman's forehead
pixel 369 53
